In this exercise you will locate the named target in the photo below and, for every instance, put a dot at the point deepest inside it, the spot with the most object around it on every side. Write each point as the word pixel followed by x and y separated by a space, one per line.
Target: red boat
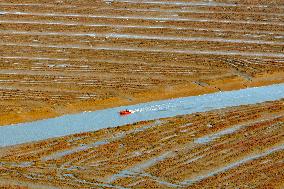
pixel 125 112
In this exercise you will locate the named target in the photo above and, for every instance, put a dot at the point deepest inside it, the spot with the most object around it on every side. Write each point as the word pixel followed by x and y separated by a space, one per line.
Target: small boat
pixel 125 112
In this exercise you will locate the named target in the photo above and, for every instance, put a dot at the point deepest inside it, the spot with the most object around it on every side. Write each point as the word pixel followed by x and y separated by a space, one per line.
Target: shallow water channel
pixel 91 121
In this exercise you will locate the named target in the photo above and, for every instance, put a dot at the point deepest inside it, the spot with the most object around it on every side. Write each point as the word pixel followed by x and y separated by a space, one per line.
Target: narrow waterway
pixel 92 121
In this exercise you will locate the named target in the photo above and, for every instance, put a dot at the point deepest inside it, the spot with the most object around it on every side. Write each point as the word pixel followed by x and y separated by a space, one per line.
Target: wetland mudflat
pixel 188 151
pixel 61 58
pixel 92 121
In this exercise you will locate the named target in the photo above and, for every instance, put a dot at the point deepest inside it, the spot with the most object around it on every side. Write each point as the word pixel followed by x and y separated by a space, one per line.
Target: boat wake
pixel 159 107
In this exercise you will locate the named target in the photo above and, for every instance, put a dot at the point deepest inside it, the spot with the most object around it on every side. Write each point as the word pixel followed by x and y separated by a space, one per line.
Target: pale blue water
pixel 92 121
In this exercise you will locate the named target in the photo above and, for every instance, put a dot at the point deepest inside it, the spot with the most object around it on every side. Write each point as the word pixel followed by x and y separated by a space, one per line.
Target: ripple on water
pixel 92 121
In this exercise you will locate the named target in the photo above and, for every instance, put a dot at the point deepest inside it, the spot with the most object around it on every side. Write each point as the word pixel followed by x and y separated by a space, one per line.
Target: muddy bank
pixel 190 89
pixel 235 146
pixel 68 57
pixel 93 121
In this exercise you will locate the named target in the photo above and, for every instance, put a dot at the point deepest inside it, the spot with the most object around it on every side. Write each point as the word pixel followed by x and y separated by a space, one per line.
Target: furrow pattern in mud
pixel 216 148
pixel 121 52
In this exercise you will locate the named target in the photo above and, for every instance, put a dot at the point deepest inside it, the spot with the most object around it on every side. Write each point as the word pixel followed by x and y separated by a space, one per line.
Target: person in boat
pixel 124 112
